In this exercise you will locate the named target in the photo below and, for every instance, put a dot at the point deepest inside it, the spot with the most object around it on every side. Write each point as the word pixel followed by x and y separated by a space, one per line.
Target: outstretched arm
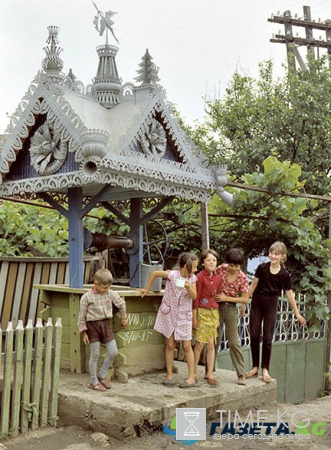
pixel 225 298
pixel 250 292
pixel 293 303
pixel 153 275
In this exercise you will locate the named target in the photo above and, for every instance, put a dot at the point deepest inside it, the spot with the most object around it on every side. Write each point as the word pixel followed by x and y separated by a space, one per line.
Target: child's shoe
pixel 97 387
pixel 105 383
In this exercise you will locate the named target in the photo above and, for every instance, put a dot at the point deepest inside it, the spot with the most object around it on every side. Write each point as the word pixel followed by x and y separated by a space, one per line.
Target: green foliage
pixel 275 134
pixel 289 118
pixel 257 219
pixel 31 409
pixel 27 230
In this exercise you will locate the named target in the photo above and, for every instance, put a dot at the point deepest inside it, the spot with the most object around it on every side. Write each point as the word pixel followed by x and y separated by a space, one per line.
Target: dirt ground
pixel 74 438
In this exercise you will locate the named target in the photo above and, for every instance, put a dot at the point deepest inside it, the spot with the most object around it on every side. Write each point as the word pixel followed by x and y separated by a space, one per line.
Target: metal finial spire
pixel 102 21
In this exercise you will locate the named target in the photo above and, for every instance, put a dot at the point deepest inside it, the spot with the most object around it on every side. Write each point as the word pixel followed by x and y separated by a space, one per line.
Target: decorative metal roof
pixel 64 135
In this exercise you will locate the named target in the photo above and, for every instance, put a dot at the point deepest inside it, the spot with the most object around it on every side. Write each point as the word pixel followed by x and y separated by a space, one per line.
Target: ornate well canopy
pixel 106 141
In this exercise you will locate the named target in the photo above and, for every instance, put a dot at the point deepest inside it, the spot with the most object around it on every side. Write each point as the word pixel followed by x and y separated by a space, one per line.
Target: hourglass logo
pixel 191 424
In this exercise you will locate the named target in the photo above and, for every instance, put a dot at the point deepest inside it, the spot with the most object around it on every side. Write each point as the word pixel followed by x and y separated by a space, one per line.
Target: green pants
pixel 228 316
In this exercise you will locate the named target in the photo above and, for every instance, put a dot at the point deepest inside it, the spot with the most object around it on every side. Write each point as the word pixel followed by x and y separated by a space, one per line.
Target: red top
pixel 208 286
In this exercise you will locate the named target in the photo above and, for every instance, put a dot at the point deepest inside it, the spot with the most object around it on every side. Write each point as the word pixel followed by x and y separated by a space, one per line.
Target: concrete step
pixel 143 404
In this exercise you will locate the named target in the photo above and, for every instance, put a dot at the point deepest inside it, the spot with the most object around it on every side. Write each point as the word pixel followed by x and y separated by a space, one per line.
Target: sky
pixel 197 45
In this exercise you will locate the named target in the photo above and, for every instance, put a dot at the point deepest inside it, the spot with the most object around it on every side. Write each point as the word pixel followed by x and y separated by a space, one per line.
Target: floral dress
pixel 233 288
pixel 175 312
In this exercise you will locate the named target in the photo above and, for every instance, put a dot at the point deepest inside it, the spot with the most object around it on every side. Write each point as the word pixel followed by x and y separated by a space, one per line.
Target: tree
pixel 289 118
pixel 27 230
pixel 257 219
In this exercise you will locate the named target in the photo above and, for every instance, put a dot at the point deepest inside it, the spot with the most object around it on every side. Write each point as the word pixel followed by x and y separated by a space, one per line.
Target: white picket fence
pixel 29 376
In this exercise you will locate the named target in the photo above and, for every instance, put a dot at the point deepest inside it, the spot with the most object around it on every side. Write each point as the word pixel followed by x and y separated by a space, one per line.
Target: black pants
pixel 263 309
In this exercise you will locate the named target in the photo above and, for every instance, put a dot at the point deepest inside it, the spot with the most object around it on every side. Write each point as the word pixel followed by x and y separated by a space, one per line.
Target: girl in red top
pixel 205 312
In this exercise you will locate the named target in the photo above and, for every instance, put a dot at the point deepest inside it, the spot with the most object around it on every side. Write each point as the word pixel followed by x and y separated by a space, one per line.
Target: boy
pixel 96 310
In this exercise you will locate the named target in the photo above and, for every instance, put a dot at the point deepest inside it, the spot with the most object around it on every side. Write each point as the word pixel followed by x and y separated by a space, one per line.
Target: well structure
pixel 76 147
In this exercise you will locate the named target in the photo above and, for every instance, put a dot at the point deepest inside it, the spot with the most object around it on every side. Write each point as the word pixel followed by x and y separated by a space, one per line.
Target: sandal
pixel 266 378
pixel 105 383
pixel 169 382
pixel 186 384
pixel 212 381
pixel 251 374
pixel 97 387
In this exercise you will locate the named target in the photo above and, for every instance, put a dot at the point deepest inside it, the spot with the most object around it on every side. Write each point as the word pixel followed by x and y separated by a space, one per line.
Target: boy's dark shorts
pixel 100 331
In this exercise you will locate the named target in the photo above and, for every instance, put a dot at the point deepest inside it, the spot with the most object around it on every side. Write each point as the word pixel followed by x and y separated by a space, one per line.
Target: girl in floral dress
pixel 174 317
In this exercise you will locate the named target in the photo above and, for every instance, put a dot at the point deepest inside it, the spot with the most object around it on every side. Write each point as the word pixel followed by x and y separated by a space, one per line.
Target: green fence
pixel 29 375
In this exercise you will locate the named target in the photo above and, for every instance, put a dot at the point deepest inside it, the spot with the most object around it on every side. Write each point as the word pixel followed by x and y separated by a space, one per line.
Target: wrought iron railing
pixel 287 327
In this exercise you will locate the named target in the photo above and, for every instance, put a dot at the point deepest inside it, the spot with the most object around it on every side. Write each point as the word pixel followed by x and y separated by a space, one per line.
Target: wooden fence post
pixel 8 363
pixel 18 379
pixel 56 361
pixel 39 334
pixel 25 410
pixel 46 372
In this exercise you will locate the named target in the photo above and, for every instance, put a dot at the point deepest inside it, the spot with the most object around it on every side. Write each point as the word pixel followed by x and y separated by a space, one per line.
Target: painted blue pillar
pixel 76 237
pixel 136 230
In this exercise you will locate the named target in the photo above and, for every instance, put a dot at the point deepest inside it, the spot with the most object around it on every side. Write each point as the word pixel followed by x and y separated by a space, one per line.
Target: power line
pixel 293 40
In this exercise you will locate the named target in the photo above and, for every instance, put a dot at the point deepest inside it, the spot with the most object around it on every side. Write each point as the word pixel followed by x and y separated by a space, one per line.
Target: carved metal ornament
pixel 122 166
pixel 60 182
pixel 153 139
pixel 48 152
pixel 52 64
pixel 102 21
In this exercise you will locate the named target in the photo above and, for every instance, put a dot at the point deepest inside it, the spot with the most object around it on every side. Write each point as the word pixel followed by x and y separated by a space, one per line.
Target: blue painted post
pixel 76 237
pixel 136 229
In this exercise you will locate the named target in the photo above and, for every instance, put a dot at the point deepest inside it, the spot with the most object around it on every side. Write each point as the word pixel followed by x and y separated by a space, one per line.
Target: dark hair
pixel 186 259
pixel 205 253
pixel 235 256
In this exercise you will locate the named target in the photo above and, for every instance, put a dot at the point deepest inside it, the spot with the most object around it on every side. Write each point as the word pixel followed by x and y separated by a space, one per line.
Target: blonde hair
pixel 280 249
pixel 103 276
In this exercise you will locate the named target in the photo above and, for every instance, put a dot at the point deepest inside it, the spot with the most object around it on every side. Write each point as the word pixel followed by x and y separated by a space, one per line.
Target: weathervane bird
pixel 102 21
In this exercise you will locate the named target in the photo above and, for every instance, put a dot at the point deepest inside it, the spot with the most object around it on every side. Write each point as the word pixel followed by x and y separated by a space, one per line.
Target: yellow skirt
pixel 208 322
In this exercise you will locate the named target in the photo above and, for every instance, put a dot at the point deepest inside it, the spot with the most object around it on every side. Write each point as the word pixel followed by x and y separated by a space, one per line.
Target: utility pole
pixel 293 40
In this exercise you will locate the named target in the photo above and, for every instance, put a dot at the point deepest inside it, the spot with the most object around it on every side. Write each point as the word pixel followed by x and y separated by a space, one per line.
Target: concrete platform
pixel 144 404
